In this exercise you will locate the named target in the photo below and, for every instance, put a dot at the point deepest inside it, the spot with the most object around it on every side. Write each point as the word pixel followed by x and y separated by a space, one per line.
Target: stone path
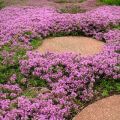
pixel 83 45
pixel 105 109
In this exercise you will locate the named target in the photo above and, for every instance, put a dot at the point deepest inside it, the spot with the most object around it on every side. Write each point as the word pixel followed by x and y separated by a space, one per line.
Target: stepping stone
pixel 105 109
pixel 83 45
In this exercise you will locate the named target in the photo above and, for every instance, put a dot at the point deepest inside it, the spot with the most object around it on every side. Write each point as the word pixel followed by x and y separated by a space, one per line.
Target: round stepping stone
pixel 105 109
pixel 82 45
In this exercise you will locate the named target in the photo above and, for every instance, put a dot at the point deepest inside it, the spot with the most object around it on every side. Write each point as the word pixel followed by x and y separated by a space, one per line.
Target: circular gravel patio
pixel 83 45
pixel 105 109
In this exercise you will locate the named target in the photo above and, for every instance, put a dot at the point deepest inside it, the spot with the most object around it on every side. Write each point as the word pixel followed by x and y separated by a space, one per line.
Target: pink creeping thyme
pixel 70 77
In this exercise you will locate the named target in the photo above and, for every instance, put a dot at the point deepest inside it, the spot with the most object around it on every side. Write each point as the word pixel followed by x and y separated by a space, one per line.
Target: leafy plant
pixel 111 2
pixel 9 64
pixel 30 93
pixel 68 1
pixel 72 33
pixel 36 82
pixel 106 87
pixel 60 1
pixel 116 27
pixel 105 93
pixel 36 42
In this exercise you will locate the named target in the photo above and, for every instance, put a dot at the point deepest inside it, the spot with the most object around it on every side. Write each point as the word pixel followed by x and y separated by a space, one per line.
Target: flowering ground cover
pixel 71 80
pixel 63 5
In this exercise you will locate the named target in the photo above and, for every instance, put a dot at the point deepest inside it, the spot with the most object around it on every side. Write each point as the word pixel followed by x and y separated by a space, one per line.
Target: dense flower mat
pixel 69 77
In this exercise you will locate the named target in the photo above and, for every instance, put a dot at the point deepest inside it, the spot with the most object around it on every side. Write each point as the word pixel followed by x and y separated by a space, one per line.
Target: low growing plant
pixel 68 1
pixel 111 2
pixel 2 4
pixel 107 87
pixel 70 78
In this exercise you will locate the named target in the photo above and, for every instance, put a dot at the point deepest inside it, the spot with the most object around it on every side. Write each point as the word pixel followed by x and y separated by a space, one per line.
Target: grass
pixel 111 2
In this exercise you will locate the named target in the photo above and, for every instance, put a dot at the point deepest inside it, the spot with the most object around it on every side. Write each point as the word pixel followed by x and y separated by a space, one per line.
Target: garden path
pixel 83 45
pixel 105 109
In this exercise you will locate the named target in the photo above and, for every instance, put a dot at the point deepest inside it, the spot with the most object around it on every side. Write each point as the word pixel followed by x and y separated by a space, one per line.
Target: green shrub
pixel 111 2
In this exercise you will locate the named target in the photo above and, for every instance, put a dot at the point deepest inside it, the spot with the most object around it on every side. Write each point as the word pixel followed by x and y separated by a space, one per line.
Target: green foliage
pixel 6 71
pixel 36 42
pixel 6 47
pixel 116 27
pixel 105 93
pixel 37 82
pixel 28 33
pixel 106 87
pixel 13 105
pixel 33 85
pixel 73 9
pixel 118 87
pixel 11 65
pixel 60 1
pixel 30 93
pixel 68 1
pixel 2 4
pixel 78 102
pixel 111 2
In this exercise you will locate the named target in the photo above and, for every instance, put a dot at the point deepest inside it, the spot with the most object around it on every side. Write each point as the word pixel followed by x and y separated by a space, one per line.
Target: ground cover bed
pixel 50 86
